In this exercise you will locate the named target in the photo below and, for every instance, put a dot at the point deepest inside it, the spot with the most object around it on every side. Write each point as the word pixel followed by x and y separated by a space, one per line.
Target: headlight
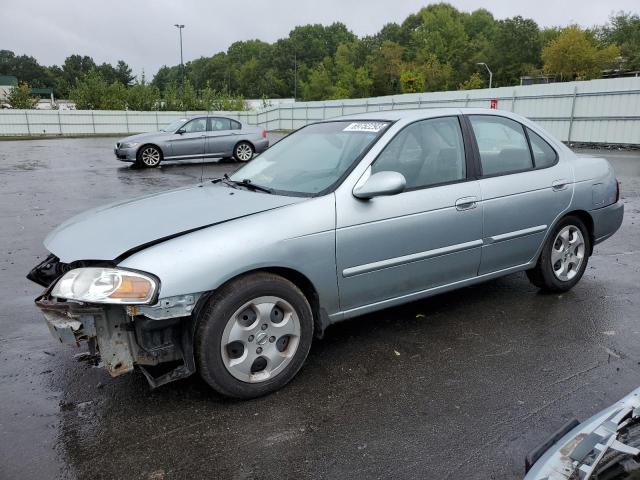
pixel 129 145
pixel 106 285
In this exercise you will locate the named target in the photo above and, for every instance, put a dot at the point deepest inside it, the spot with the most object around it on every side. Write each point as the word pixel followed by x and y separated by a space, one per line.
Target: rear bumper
pixel 261 145
pixel 607 221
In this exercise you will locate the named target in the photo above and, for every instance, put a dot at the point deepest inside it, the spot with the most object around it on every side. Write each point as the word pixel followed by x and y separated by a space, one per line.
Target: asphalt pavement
pixel 461 385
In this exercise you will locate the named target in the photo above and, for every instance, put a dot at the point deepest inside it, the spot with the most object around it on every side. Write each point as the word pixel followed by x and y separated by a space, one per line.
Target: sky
pixel 141 32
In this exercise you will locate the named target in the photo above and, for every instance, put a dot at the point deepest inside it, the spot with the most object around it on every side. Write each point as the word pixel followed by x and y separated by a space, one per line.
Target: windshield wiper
pixel 244 183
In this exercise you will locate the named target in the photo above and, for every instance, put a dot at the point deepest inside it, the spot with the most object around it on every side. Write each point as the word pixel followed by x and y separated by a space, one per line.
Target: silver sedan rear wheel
pixel 260 339
pixel 243 152
pixel 567 253
pixel 150 156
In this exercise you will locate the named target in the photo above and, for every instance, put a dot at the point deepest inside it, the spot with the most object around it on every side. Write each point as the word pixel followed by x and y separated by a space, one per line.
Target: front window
pixel 313 159
pixel 173 126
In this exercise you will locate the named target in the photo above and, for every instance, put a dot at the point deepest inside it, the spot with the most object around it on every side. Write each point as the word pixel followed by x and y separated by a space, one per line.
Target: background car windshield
pixel 313 158
pixel 173 126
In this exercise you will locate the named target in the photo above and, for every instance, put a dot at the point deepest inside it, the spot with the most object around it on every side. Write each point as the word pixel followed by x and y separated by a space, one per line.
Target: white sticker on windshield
pixel 374 127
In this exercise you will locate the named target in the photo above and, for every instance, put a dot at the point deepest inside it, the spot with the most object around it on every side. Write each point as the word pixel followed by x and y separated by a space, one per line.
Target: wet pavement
pixel 461 385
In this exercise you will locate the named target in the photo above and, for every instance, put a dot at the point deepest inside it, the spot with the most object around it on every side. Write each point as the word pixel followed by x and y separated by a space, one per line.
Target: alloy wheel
pixel 567 253
pixel 150 156
pixel 244 152
pixel 260 339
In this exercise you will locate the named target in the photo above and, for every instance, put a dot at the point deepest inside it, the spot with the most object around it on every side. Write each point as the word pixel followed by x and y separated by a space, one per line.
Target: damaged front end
pixel 157 338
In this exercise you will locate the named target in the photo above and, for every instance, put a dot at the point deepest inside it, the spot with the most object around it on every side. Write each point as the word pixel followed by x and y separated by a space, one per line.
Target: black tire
pixel 220 309
pixel 149 156
pixel 543 276
pixel 241 152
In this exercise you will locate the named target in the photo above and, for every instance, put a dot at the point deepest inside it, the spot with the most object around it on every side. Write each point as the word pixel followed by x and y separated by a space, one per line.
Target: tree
pixel 386 65
pixel 475 81
pixel 516 50
pixel 94 93
pixel 143 97
pixel 20 96
pixel 624 30
pixel 574 55
pixel 319 85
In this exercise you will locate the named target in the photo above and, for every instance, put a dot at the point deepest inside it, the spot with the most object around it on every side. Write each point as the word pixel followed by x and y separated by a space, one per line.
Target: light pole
pixel 295 76
pixel 180 27
pixel 490 74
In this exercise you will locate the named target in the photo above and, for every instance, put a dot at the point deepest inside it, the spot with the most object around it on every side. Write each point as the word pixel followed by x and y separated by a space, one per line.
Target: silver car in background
pixel 234 277
pixel 194 138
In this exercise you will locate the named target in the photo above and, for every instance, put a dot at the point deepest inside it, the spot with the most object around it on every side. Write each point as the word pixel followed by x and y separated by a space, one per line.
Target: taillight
pixel 617 190
pixel 264 134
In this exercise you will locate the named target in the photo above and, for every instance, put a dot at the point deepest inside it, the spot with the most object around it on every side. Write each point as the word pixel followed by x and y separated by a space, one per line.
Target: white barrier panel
pixel 595 111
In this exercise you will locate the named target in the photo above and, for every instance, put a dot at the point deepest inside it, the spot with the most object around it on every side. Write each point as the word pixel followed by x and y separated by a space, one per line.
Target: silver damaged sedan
pixel 193 138
pixel 233 278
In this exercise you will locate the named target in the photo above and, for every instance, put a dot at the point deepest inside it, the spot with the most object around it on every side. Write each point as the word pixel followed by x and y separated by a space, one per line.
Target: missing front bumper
pixel 162 349
pixel 72 323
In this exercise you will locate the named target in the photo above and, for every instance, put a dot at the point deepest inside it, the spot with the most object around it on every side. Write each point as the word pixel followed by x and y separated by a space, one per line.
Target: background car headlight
pixel 129 145
pixel 106 285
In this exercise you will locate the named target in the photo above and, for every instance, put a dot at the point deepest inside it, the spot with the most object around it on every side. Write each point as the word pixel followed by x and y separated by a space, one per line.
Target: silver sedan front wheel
pixel 149 156
pixel 260 339
pixel 253 335
pixel 567 253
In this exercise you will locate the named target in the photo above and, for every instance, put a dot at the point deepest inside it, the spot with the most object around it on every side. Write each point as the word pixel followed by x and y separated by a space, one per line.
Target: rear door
pixel 221 136
pixel 189 143
pixel 524 189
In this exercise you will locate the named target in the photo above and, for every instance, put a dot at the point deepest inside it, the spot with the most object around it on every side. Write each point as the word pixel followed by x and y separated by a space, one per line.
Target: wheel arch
pixel 253 146
pixel 587 219
pixel 150 144
pixel 300 280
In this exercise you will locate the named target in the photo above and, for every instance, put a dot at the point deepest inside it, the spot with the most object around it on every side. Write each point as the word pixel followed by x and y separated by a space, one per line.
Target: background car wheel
pixel 253 336
pixel 564 257
pixel 149 156
pixel 243 152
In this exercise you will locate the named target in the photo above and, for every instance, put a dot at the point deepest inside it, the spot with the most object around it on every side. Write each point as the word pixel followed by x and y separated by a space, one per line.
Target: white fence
pixel 596 111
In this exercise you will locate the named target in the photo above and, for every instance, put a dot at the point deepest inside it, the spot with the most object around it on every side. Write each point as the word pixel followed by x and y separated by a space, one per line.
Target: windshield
pixel 173 126
pixel 313 158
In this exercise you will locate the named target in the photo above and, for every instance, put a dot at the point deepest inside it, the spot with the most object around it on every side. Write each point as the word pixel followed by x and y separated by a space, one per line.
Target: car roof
pixel 206 115
pixel 418 113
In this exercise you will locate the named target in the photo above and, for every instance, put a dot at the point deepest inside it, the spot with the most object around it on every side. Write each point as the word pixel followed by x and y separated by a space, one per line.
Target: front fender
pixel 299 237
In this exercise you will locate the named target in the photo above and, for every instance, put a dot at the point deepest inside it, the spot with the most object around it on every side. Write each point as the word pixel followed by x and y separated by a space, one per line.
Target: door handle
pixel 466 203
pixel 559 185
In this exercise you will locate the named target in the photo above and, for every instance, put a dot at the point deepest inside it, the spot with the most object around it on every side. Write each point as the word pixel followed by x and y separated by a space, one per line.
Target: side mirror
pixel 181 131
pixel 380 184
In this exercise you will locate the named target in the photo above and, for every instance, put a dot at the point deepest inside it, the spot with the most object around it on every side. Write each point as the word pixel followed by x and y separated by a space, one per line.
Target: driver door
pixel 190 142
pixel 428 236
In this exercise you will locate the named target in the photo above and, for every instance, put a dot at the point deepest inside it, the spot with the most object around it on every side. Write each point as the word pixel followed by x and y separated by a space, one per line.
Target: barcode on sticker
pixel 365 127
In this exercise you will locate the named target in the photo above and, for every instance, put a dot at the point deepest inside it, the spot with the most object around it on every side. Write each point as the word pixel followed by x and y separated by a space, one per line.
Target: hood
pixel 140 137
pixel 106 233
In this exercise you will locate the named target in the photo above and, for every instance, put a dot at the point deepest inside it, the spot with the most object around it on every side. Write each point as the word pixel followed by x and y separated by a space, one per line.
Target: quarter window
pixel 502 144
pixel 543 155
pixel 428 152
pixel 235 125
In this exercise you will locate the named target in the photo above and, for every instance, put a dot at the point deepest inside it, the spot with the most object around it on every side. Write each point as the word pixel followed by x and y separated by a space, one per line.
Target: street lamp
pixel 180 27
pixel 490 74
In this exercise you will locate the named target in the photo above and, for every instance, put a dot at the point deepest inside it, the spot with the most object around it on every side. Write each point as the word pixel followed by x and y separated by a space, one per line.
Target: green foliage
pixel 624 30
pixel 20 96
pixel 436 48
pixel 573 54
pixel 473 82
